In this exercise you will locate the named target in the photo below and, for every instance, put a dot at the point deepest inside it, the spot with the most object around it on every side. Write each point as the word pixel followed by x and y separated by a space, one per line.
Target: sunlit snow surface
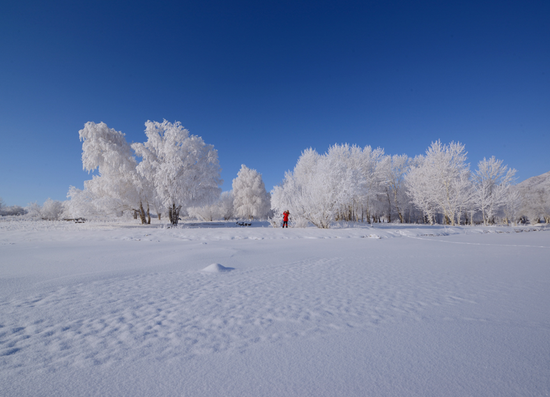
pixel 100 309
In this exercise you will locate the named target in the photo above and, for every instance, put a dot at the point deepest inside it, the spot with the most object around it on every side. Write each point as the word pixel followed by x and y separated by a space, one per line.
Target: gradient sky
pixel 264 80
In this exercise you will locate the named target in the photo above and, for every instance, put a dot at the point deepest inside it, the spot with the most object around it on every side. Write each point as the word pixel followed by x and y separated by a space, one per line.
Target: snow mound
pixel 216 268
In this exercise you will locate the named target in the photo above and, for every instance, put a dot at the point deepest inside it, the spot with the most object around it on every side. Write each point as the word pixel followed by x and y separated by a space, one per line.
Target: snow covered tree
pixel 183 170
pixel 34 210
pixel 81 203
pixel 52 209
pixel 441 182
pixel 221 209
pixel 296 193
pixel 341 166
pixel 342 184
pixel 536 204
pixel 535 193
pixel 372 181
pixel 492 184
pixel 118 187
pixel 319 189
pixel 451 178
pixel 348 182
pixel 12 210
pixel 225 204
pixel 176 170
pixel 512 206
pixel 419 186
pixel 205 213
pixel 250 199
pixel 394 169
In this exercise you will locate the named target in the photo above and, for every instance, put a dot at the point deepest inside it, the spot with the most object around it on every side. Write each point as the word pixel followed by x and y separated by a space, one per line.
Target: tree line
pixel 349 183
pixel 173 171
pixel 176 174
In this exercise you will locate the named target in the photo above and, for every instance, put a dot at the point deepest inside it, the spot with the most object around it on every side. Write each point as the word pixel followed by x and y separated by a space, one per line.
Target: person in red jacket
pixel 285 219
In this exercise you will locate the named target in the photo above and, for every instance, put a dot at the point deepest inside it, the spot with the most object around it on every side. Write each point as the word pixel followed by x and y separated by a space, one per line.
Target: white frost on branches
pixel 174 171
pixel 117 187
pixel 394 168
pixel 221 209
pixel 492 188
pixel 52 210
pixel 325 188
pixel 182 169
pixel 250 199
pixel 177 170
pixel 440 182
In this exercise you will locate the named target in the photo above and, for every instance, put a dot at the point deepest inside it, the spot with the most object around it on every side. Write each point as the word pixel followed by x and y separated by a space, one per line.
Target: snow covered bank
pixel 216 231
pixel 104 309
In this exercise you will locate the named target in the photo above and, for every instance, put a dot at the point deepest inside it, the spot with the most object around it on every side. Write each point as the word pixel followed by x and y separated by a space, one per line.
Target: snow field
pixel 98 310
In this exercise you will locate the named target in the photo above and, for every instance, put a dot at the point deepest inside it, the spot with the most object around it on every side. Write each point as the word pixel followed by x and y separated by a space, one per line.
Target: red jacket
pixel 285 216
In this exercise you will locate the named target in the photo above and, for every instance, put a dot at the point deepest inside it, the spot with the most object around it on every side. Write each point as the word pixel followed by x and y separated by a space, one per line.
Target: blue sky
pixel 264 80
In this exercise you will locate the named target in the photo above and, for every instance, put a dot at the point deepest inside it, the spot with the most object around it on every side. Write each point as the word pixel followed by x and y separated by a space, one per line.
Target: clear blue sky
pixel 264 80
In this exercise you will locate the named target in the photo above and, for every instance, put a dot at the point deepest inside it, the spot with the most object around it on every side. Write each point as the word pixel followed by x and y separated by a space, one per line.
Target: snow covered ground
pixel 99 309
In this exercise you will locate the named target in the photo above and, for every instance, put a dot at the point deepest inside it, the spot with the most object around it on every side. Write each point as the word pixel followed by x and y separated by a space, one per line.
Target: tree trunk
pixel 389 206
pixel 142 214
pixel 401 218
pixel 174 213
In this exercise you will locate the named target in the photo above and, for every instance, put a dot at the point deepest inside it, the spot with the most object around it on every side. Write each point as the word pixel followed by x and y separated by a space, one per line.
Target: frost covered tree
pixel 81 203
pixel 372 182
pixel 225 205
pixel 177 170
pixel 52 209
pixel 535 193
pixel 492 184
pixel 183 170
pixel 419 186
pixel 297 192
pixel 512 206
pixel 394 169
pixel 342 184
pixel 34 210
pixel 536 204
pixel 117 187
pixel 441 182
pixel 250 199
pixel 206 213
pixel 221 209
pixel 342 168
pixel 320 188
pixel 348 182
pixel 12 210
